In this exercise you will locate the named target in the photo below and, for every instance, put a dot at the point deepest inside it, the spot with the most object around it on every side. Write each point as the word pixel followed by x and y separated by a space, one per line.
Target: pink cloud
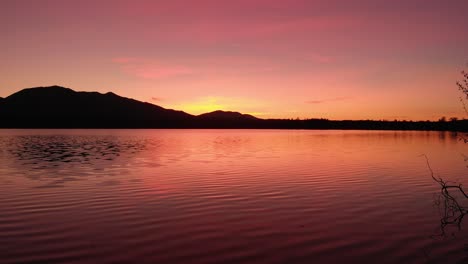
pixel 330 24
pixel 147 69
pixel 210 31
pixel 209 65
pixel 228 63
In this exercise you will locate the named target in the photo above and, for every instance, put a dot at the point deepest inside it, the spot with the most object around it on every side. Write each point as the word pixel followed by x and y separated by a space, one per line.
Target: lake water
pixel 227 196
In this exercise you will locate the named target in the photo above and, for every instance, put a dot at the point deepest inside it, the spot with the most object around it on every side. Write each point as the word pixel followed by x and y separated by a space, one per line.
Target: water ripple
pixel 230 196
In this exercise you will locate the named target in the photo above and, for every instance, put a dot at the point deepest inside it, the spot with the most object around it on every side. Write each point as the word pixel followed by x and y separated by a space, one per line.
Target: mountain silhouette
pixel 225 119
pixel 59 107
pixel 223 115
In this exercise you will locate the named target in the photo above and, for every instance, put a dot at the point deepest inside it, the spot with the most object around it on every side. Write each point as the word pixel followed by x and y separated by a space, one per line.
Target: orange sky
pixel 334 59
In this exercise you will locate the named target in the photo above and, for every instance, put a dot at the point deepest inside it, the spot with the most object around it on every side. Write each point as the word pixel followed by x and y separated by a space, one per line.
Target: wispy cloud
pixel 156 99
pixel 211 65
pixel 322 101
pixel 149 69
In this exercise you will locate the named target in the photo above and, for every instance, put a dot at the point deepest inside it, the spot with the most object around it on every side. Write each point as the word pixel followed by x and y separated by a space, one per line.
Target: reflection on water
pixel 43 149
pixel 226 196
pixel 51 150
pixel 64 158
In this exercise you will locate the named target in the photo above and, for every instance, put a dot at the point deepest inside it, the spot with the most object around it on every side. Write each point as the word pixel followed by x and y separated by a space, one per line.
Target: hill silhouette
pixel 223 115
pixel 226 119
pixel 59 107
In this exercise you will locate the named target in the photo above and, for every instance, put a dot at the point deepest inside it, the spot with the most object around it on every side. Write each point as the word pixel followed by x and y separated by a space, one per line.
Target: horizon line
pixel 388 119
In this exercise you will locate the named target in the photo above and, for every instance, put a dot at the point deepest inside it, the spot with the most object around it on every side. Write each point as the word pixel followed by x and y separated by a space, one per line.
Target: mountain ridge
pixel 59 107
pixel 56 106
pixel 227 114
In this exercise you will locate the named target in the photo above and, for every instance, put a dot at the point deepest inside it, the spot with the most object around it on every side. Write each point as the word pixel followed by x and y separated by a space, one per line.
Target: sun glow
pixel 212 103
pixel 203 105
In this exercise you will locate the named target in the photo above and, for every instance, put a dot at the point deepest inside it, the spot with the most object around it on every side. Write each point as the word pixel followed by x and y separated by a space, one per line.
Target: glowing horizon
pixel 364 59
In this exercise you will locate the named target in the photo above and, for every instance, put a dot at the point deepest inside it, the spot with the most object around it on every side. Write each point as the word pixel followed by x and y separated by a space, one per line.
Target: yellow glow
pixel 212 103
pixel 204 105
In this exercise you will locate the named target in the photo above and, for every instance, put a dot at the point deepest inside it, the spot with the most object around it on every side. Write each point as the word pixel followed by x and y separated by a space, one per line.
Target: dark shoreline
pixel 311 124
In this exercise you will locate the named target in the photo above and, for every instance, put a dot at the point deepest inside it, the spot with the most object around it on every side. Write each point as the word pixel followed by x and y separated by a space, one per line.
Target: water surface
pixel 226 196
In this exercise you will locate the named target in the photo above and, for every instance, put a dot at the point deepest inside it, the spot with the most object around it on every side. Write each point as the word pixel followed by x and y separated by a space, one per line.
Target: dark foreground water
pixel 227 196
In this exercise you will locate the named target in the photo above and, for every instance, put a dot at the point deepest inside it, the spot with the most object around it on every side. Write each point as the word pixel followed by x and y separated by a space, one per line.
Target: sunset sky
pixel 376 59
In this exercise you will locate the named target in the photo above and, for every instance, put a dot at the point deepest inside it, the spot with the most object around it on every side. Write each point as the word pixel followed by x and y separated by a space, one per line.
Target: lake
pixel 227 196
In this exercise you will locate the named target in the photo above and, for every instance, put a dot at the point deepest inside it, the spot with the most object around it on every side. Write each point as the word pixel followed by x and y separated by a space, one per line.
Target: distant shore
pixel 59 107
pixel 309 124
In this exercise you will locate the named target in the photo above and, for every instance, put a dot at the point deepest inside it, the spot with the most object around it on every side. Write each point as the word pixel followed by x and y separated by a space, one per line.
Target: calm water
pixel 226 196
